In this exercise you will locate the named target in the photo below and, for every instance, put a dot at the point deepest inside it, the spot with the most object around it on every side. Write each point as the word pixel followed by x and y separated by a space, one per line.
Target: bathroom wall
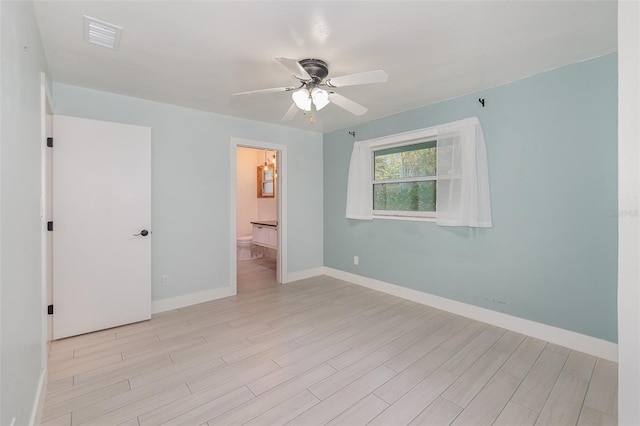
pixel 246 191
pixel 249 206
pixel 267 207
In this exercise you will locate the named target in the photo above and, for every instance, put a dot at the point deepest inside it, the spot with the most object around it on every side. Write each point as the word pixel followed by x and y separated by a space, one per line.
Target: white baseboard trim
pixel 569 339
pixel 301 275
pixel 190 299
pixel 38 401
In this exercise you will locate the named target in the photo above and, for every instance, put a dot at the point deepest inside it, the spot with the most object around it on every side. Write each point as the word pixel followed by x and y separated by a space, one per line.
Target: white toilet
pixel 244 249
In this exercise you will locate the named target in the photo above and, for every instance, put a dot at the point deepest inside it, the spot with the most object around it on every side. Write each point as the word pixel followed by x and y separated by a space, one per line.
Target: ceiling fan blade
pixel 348 104
pixel 295 68
pixel 291 112
pixel 368 77
pixel 273 89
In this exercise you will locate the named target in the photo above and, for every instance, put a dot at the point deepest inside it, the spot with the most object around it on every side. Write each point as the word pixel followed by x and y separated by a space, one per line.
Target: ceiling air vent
pixel 101 33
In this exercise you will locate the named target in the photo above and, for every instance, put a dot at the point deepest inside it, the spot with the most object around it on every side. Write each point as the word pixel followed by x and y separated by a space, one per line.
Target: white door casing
pixel 101 198
pixel 281 200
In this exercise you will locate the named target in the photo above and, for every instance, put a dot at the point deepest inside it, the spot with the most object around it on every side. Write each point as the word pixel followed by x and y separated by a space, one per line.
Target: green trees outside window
pixel 405 178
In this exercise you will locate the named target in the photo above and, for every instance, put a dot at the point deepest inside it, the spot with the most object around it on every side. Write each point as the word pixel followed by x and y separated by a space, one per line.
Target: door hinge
pixel 49 226
pixel 50 309
pixel 50 142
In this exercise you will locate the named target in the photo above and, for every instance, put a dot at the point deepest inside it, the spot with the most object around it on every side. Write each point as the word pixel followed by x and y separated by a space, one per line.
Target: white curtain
pixel 463 178
pixel 359 189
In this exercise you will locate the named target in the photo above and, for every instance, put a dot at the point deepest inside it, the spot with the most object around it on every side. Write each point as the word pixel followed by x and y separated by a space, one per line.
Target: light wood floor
pixel 322 351
pixel 256 274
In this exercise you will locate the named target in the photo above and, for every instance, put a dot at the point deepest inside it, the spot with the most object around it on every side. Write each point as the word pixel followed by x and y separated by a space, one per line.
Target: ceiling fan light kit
pixel 320 98
pixel 302 99
pixel 312 92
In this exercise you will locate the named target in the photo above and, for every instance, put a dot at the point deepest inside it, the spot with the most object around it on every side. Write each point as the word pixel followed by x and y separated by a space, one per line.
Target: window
pixel 404 179
pixel 436 173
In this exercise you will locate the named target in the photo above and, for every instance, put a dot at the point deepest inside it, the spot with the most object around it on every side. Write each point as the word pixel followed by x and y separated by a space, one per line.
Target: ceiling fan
pixel 316 90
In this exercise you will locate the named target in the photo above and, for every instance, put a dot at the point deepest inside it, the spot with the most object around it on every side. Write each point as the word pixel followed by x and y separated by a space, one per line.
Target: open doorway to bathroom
pixel 256 218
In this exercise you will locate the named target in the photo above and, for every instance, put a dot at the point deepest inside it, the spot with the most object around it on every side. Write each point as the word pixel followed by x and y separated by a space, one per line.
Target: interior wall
pixel 267 207
pixel 246 191
pixel 551 256
pixel 21 311
pixel 190 178
pixel 249 206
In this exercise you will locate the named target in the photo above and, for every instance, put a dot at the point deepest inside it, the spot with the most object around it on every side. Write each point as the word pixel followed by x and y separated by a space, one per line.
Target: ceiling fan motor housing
pixel 316 68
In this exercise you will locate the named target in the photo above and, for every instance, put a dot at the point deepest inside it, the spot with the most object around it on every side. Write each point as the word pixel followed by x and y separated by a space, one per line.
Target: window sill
pixel 408 218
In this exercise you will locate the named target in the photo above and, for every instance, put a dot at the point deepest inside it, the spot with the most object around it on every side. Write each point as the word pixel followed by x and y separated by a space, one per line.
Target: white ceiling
pixel 198 53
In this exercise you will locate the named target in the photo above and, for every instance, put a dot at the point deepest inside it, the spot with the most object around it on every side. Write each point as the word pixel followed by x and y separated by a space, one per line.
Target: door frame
pixel 46 256
pixel 46 117
pixel 281 202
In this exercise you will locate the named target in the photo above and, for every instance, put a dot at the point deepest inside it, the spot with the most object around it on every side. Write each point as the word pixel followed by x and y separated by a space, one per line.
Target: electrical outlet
pixel 356 260
pixel 165 280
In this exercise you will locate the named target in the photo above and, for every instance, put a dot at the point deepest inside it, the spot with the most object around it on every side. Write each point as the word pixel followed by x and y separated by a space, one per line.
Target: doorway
pixel 256 218
pixel 258 224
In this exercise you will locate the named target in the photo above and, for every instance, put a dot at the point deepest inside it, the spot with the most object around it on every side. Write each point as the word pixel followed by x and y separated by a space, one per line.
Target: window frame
pixel 398 141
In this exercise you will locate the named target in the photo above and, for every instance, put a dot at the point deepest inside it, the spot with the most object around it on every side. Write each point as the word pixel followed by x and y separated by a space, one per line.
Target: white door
pixel 101 198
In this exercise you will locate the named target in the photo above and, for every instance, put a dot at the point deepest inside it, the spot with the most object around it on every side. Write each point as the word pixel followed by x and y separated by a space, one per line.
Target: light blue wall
pixel 190 163
pixel 21 307
pixel 551 256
